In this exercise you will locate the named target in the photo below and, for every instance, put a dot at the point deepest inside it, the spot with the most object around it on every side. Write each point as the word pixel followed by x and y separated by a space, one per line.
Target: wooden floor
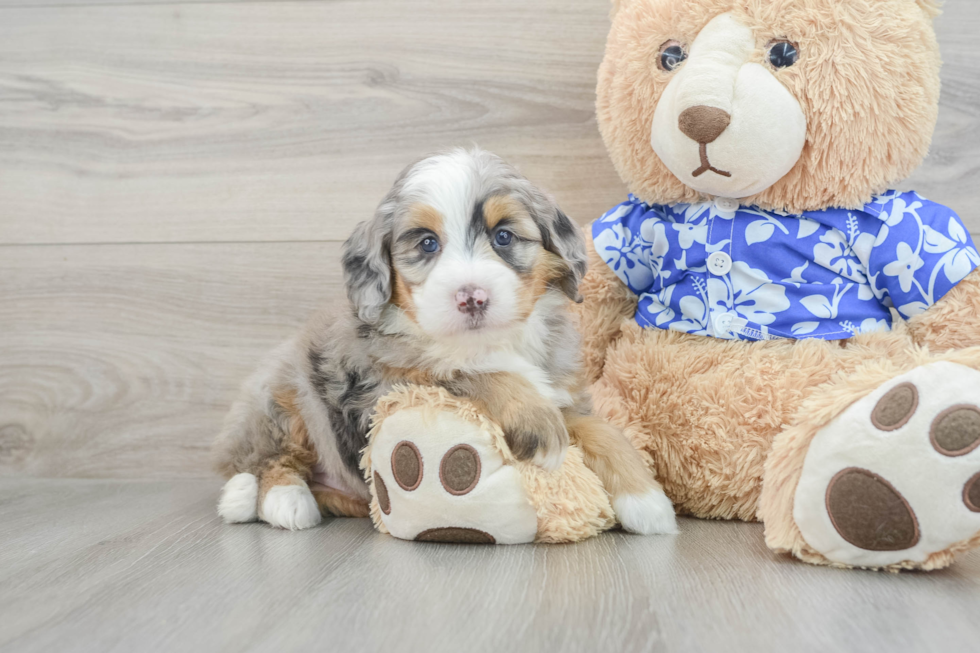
pixel 147 566
pixel 175 182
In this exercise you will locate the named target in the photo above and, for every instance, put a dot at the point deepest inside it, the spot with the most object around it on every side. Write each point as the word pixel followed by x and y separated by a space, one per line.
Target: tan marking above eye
pixel 519 221
pixel 424 216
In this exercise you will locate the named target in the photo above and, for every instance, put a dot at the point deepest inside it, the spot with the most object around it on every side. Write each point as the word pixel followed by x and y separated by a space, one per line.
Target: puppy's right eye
pixel 672 55
pixel 429 245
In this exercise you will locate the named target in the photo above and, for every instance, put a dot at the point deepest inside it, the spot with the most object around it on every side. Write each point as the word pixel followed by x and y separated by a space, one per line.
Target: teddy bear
pixel 783 336
pixel 441 471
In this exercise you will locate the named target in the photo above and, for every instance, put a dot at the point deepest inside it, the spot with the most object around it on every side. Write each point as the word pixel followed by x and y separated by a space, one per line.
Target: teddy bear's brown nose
pixel 703 123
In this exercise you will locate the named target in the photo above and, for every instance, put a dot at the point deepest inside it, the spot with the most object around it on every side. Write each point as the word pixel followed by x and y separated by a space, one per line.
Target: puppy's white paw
pixel 551 460
pixel 290 506
pixel 650 513
pixel 239 499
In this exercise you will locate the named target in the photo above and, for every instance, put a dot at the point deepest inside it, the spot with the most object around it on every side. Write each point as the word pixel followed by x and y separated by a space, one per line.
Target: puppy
pixel 462 280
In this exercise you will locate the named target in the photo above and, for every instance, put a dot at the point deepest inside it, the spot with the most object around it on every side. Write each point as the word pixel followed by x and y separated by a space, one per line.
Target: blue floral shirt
pixel 730 271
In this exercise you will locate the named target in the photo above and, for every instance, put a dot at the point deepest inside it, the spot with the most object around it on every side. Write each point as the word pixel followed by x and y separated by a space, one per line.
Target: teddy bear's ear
pixel 616 6
pixel 931 7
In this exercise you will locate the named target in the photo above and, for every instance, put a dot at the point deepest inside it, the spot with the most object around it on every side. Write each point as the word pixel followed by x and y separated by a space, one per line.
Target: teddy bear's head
pixel 787 104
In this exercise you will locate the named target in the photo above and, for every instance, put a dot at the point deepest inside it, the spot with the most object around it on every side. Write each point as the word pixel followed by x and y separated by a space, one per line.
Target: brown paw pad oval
pixel 406 465
pixel 455 535
pixel 896 408
pixel 971 493
pixel 382 491
pixel 956 430
pixel 869 512
pixel 459 470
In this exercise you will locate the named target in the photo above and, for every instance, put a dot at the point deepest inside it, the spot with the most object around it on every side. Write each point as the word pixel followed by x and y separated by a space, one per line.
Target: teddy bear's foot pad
pixel 439 478
pixel 896 476
pixel 455 535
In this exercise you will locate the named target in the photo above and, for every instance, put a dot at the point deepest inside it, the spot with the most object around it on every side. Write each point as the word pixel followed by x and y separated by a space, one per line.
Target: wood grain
pixel 284 120
pixel 951 172
pixel 124 566
pixel 174 181
pixel 272 121
pixel 120 361
pixel 265 130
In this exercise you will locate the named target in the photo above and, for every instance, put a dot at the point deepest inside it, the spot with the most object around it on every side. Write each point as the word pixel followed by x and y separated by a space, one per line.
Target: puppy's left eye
pixel 783 54
pixel 429 245
pixel 503 238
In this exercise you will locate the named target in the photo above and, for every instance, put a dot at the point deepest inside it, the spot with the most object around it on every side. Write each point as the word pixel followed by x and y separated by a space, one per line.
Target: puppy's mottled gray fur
pixel 517 356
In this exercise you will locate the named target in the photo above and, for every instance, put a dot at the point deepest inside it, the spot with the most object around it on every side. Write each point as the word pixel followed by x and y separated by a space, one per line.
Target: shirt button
pixel 723 323
pixel 719 263
pixel 726 204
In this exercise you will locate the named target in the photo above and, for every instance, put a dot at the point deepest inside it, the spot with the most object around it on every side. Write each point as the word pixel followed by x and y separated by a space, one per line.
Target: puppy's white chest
pixel 515 363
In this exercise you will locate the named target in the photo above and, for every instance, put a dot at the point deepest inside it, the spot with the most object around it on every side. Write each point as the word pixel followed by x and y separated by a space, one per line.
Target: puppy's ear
pixel 560 236
pixel 367 264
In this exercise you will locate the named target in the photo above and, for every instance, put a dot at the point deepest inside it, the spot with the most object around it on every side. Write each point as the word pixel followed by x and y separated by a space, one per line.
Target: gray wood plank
pixel 120 361
pixel 272 121
pixel 269 121
pixel 951 172
pixel 123 566
pixel 54 4
pixel 114 355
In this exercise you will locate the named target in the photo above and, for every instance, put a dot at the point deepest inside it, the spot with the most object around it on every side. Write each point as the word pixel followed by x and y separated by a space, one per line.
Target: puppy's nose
pixel 471 299
pixel 703 123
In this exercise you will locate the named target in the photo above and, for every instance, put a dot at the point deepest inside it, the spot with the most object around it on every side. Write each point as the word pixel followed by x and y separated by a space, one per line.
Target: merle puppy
pixel 462 279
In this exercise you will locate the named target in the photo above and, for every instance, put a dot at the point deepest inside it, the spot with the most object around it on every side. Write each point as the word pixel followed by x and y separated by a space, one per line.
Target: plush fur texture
pixel 867 128
pixel 570 503
pixel 705 413
pixel 785 463
pixel 461 280
pixel 726 425
pixel 707 410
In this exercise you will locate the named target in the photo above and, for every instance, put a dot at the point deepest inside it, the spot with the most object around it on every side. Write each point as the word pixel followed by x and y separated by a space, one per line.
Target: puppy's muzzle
pixel 472 300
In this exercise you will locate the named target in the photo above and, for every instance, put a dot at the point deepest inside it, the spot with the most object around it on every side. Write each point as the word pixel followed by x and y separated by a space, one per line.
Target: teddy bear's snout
pixel 702 123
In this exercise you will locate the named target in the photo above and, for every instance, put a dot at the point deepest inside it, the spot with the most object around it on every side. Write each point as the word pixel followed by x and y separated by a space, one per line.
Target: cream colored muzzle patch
pixel 766 130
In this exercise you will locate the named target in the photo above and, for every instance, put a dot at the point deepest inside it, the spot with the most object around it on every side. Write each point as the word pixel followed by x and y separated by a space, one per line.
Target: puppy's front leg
pixel 533 426
pixel 637 498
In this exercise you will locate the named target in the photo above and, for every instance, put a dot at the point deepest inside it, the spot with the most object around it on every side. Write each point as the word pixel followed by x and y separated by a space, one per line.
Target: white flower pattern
pixel 826 274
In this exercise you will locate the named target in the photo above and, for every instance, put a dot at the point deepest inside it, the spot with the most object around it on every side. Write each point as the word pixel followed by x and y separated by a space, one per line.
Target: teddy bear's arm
pixel 954 321
pixel 607 302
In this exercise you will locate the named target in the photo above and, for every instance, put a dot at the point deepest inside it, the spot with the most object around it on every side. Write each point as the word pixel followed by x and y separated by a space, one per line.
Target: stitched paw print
pixel 439 478
pixel 896 476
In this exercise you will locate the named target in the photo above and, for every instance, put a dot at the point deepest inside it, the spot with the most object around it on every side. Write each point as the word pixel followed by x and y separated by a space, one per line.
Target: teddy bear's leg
pixel 954 321
pixel 891 480
pixel 440 478
pixel 638 499
pixel 607 302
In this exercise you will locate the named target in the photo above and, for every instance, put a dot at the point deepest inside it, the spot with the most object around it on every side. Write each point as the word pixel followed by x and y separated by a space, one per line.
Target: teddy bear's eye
pixel 672 55
pixel 783 54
